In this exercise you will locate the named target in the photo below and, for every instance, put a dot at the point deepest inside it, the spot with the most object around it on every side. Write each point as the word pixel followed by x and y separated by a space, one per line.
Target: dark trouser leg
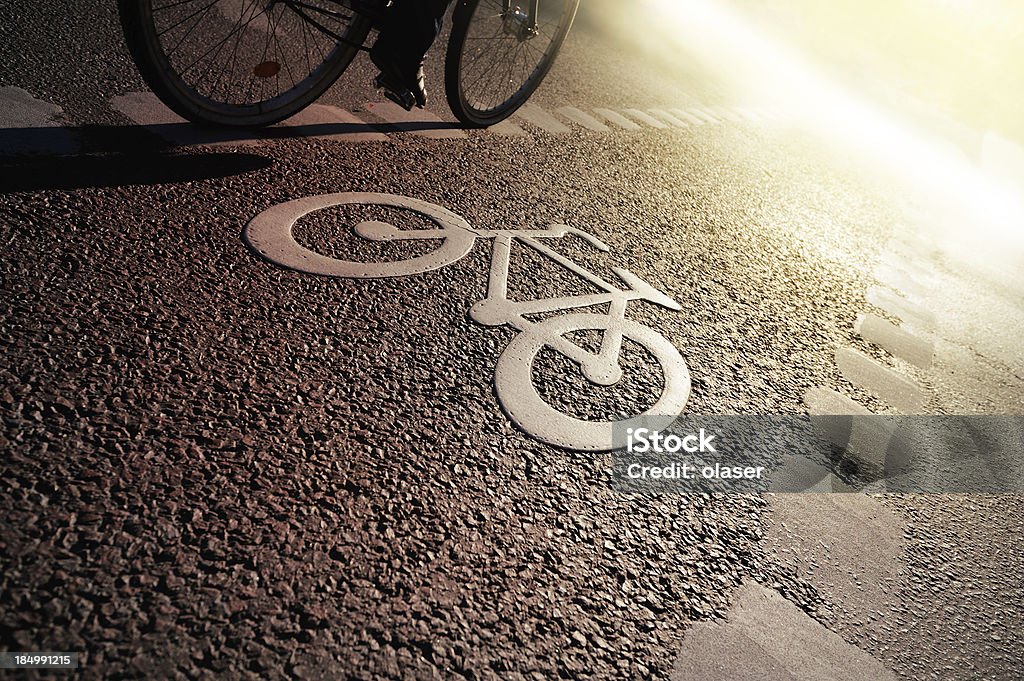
pixel 410 30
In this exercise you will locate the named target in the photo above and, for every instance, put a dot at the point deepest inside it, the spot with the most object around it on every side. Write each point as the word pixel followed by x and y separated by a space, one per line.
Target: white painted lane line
pixel 900 307
pixel 145 109
pixel 687 116
pixel 645 118
pixel 912 266
pixel 331 123
pixel 583 118
pixel 534 115
pixel 618 119
pixel 800 473
pixel 665 116
pixel 899 391
pixel 765 636
pixel 419 122
pixel 827 402
pixel 507 128
pixel 900 281
pixel 848 546
pixel 727 113
pixel 21 110
pixel 705 114
pixel 865 439
pixel 28 125
pixel 906 346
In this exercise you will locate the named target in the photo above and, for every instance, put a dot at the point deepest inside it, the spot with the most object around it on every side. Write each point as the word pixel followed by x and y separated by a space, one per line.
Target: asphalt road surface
pixel 214 466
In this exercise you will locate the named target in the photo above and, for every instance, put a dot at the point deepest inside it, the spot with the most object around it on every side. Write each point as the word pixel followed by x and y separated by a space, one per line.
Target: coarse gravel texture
pixel 215 467
pixel 218 464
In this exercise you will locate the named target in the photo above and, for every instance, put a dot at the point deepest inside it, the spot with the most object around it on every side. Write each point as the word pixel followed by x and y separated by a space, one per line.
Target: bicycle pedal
pixel 402 97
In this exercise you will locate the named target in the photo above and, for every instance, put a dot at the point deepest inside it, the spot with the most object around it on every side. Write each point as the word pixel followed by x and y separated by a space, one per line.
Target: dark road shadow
pixel 121 169
pixel 63 141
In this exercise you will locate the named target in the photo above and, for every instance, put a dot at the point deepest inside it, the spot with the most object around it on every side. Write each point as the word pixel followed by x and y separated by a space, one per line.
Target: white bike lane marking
pixel 892 387
pixel 583 118
pixel 534 115
pixel 898 342
pixel 687 116
pixel 145 109
pixel 30 125
pixel 419 122
pixel 618 119
pixel 326 122
pixel 900 307
pixel 270 235
pixel 667 117
pixel 645 118
pixel 765 636
pixel 506 128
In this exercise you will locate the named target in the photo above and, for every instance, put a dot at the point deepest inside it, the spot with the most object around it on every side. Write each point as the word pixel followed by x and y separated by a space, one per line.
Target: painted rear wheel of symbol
pixel 522 402
pixel 270 235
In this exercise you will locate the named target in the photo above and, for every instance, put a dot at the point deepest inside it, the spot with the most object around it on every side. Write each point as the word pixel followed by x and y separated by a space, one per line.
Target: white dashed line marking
pixel 583 118
pixel 21 114
pixel 864 437
pixel 28 125
pixel 901 344
pixel 705 114
pixel 899 391
pixel 419 122
pixel 687 116
pixel 922 272
pixel 645 118
pixel 534 115
pixel 507 128
pixel 667 117
pixel 900 281
pixel 317 120
pixel 618 119
pixel 747 644
pixel 827 402
pixel 728 114
pixel 145 109
pixel 900 307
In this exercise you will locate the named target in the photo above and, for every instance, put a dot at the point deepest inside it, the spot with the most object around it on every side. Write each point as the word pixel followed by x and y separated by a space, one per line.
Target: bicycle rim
pixel 240 62
pixel 494 62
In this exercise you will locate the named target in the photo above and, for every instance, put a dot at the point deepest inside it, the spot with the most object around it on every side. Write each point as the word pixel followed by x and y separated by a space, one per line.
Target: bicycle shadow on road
pixel 118 169
pixel 63 141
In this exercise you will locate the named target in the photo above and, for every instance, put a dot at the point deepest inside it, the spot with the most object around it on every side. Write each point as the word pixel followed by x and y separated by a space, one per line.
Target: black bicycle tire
pixel 139 35
pixel 461 20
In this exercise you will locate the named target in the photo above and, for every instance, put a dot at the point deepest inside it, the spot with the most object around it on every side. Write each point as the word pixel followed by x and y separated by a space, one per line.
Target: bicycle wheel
pixel 513 382
pixel 240 63
pixel 270 235
pixel 496 59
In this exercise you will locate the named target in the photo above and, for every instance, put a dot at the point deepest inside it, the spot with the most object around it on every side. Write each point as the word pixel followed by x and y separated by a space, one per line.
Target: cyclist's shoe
pixel 403 96
pixel 405 87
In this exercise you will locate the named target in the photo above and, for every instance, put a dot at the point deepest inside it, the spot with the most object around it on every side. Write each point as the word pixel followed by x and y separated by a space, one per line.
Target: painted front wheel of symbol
pixel 520 399
pixel 270 235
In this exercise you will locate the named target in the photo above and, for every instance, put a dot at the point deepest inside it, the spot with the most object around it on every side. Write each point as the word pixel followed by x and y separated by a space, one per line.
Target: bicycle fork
pixel 520 21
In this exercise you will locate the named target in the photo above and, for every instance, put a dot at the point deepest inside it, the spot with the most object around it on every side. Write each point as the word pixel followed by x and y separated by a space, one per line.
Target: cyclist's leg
pixel 409 30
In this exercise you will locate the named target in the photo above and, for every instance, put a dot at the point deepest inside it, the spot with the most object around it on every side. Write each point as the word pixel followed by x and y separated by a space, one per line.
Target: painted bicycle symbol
pixel 270 234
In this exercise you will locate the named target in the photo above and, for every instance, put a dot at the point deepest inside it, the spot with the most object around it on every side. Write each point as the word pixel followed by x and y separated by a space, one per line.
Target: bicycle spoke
pixel 173 5
pixel 230 55
pixel 500 63
pixel 173 26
